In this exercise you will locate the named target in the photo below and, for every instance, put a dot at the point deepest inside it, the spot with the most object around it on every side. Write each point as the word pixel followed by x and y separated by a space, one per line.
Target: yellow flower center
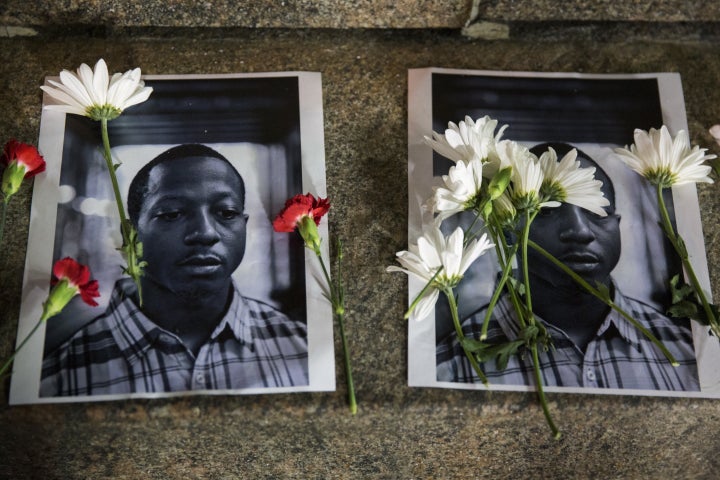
pixel 103 112
pixel 442 281
pixel 553 191
pixel 661 176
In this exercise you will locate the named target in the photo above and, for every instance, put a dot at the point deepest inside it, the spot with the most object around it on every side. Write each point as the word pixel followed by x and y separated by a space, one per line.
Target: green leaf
pixel 693 310
pixel 518 286
pixel 485 352
pixel 472 345
pixel 504 351
pixel 529 334
pixel 686 304
pixel 684 309
pixel 680 290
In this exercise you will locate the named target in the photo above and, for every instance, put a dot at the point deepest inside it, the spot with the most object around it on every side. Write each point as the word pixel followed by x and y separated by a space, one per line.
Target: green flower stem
pixel 524 242
pixel 603 298
pixel 467 236
pixel 541 392
pixel 113 178
pixel 507 268
pixel 352 402
pixel 505 254
pixel 529 217
pixel 677 243
pixel 2 219
pixel 505 257
pixel 126 228
pixel 338 304
pixel 501 246
pixel 461 336
pixel 9 361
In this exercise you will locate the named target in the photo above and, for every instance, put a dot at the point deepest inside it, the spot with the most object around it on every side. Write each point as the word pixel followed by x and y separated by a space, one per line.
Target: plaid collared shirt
pixel 618 356
pixel 122 352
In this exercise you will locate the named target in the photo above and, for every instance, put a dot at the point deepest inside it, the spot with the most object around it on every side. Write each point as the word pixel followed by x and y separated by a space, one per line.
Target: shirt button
pixel 591 375
pixel 200 378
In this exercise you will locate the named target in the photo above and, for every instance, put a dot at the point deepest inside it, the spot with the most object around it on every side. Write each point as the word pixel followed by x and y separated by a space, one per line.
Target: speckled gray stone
pixel 343 14
pixel 399 432
pixel 230 13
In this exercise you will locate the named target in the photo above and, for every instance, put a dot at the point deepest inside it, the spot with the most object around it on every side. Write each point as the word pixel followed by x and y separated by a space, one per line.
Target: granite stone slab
pixel 343 14
pixel 399 432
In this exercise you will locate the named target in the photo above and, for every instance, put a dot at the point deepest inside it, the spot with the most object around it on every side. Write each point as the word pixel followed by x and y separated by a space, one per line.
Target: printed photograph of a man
pixel 593 346
pixel 590 347
pixel 195 330
pixel 226 305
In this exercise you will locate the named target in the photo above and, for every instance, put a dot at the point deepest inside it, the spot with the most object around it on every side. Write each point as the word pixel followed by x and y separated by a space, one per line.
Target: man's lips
pixel 580 260
pixel 581 257
pixel 201 260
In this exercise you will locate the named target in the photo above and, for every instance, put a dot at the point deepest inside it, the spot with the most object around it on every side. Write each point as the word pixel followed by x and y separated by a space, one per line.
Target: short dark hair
pixel 139 185
pixel 561 149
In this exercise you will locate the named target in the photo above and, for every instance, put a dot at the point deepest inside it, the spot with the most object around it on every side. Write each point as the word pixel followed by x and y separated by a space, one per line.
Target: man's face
pixel 192 225
pixel 587 243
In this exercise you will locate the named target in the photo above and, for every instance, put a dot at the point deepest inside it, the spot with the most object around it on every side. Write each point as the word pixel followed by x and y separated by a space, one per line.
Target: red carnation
pixel 21 161
pixel 77 276
pixel 298 207
pixel 71 278
pixel 304 213
pixel 25 155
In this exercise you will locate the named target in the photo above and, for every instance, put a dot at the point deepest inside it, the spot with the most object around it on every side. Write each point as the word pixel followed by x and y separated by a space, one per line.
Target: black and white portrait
pixel 626 251
pixel 228 305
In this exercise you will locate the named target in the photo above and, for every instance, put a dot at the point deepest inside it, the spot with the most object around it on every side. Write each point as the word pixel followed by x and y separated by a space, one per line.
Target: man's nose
pixel 576 227
pixel 202 229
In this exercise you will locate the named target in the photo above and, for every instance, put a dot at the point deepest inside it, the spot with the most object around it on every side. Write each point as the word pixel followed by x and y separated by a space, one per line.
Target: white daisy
pixel 434 252
pixel 468 140
pixel 566 181
pixel 462 187
pixel 505 152
pixel 94 94
pixel 527 176
pixel 665 161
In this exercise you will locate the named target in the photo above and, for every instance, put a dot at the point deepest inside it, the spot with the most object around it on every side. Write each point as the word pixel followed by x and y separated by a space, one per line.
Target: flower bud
pixel 59 297
pixel 309 232
pixel 12 179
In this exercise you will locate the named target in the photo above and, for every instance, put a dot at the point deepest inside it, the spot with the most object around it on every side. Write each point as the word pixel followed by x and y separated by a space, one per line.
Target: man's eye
pixel 547 211
pixel 169 216
pixel 594 217
pixel 229 214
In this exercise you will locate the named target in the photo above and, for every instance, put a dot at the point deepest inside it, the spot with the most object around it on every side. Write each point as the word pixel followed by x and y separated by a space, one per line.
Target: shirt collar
pixel 135 333
pixel 505 317
pixel 626 330
pixel 236 319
